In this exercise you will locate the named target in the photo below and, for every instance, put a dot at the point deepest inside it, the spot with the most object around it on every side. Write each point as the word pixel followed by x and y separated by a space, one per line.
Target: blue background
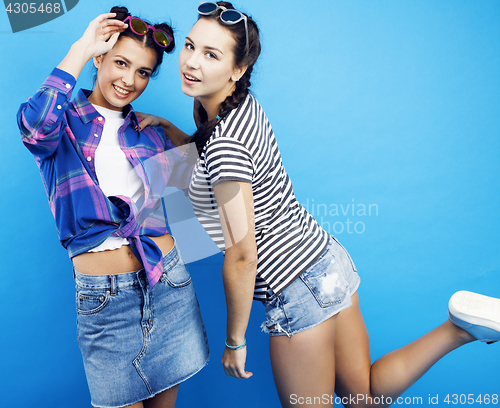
pixel 388 103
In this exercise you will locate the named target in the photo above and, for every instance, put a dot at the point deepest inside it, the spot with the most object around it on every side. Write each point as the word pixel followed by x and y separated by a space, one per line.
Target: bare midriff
pixel 120 260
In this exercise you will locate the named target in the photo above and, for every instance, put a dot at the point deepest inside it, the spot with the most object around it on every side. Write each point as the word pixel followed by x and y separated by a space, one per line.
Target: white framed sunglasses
pixel 228 16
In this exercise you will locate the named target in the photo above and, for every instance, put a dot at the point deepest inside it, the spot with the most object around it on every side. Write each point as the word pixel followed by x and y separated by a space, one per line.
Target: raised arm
pixel 235 203
pixel 99 37
pixel 42 120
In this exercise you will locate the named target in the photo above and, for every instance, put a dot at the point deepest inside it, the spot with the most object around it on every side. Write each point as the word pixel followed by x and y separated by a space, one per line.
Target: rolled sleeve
pixel 41 119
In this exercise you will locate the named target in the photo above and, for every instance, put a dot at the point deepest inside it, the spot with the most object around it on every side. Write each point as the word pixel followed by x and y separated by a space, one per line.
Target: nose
pixel 128 78
pixel 192 61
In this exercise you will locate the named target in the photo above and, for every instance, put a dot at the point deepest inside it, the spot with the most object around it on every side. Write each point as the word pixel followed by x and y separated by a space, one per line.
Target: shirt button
pixel 68 86
pixel 59 106
pixel 99 118
pixel 89 158
pixel 96 135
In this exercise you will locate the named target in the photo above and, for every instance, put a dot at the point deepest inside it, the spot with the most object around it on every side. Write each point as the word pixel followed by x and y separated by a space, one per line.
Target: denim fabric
pixel 321 291
pixel 137 341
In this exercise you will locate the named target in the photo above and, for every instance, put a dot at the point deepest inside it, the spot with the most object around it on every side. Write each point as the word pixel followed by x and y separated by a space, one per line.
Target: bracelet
pixel 236 347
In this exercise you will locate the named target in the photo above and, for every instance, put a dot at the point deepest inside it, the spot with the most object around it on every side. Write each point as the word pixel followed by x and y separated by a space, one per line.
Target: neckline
pixel 108 113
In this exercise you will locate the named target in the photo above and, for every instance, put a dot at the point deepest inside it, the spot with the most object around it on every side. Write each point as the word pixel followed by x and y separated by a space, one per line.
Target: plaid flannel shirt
pixel 63 136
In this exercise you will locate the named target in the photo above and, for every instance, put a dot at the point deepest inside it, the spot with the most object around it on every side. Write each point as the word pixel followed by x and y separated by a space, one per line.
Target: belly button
pixel 130 254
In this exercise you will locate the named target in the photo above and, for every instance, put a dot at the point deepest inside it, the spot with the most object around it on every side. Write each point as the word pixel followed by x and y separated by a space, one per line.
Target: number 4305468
pixel 32 8
pixel 470 399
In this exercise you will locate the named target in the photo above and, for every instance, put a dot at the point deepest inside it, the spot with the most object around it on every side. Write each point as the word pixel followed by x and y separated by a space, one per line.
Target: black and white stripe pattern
pixel 243 148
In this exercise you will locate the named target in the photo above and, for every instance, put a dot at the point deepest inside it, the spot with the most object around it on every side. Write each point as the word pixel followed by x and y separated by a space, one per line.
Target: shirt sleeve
pixel 227 159
pixel 41 119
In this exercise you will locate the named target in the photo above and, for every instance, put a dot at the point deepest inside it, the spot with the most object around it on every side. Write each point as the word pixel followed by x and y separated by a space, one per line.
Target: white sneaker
pixel 477 314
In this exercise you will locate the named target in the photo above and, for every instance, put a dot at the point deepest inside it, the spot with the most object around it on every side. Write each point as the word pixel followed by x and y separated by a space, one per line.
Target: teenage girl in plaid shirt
pixel 95 164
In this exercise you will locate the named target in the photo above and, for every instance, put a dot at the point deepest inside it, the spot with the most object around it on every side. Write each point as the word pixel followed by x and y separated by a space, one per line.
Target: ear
pixel 97 61
pixel 238 73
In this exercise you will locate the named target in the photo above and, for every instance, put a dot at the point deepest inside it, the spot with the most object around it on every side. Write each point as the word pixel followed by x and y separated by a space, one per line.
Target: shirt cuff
pixel 61 81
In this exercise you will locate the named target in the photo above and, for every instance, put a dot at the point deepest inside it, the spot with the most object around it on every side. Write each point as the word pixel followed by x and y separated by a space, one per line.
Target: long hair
pixel 242 57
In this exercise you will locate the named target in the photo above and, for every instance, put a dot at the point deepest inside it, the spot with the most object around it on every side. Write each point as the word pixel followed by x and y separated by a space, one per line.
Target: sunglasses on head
pixel 139 27
pixel 228 16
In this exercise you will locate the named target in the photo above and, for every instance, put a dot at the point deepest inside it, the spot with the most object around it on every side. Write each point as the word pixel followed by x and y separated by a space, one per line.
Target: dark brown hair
pixel 147 40
pixel 242 57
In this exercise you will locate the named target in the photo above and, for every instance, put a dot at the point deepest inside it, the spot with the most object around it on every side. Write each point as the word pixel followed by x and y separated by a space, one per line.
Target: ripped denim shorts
pixel 320 292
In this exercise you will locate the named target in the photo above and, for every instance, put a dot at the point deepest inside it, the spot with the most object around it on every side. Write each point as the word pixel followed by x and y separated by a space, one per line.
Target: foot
pixel 477 314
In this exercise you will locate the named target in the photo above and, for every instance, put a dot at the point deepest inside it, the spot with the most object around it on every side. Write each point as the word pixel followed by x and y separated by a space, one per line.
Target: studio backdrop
pixel 387 114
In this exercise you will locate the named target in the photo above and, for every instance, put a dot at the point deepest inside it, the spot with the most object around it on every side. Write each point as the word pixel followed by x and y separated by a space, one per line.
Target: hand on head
pixel 102 33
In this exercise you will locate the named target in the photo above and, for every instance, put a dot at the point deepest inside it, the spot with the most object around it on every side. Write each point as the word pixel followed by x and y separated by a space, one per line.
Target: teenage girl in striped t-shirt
pixel 275 251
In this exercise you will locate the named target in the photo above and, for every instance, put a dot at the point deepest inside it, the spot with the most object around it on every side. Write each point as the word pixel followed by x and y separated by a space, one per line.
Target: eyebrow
pixel 206 46
pixel 128 62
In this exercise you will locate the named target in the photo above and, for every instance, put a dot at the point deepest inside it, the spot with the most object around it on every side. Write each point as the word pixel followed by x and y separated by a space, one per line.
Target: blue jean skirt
pixel 136 341
pixel 320 292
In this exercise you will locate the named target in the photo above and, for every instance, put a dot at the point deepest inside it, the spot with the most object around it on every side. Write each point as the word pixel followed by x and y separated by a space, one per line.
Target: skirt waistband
pixel 122 280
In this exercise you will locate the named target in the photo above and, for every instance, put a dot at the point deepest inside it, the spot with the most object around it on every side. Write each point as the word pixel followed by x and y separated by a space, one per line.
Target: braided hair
pixel 146 40
pixel 242 57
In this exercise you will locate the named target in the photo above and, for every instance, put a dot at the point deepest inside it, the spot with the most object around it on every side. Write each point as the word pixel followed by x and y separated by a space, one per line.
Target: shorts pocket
pixel 178 276
pixel 88 303
pixel 347 253
pixel 326 281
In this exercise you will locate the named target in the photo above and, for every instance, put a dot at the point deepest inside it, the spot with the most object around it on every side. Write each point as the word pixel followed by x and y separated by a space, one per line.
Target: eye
pixel 211 55
pixel 121 63
pixel 144 74
pixel 189 46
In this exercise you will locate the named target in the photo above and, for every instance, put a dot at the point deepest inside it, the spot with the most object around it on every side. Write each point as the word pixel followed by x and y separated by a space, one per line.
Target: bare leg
pixel 165 399
pixel 304 365
pixel 396 371
pixel 335 356
pixel 137 405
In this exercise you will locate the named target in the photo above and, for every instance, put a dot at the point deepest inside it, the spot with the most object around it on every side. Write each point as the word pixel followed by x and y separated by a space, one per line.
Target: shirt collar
pixel 87 113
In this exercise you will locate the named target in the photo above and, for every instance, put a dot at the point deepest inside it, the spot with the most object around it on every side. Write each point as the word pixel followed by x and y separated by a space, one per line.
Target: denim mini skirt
pixel 136 341
pixel 320 292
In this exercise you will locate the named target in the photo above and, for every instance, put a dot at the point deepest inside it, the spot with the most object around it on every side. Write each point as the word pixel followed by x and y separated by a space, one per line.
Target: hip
pixel 116 261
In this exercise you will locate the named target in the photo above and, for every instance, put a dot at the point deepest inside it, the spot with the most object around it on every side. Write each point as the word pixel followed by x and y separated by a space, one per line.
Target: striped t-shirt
pixel 243 148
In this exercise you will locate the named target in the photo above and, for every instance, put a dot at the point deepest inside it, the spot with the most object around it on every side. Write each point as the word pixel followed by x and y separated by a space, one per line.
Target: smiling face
pixel 122 74
pixel 206 64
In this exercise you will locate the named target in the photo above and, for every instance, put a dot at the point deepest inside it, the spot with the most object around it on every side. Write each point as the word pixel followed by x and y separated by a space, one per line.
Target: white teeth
pixel 120 90
pixel 190 77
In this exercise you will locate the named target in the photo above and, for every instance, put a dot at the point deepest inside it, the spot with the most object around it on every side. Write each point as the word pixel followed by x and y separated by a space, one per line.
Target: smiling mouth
pixel 191 78
pixel 121 91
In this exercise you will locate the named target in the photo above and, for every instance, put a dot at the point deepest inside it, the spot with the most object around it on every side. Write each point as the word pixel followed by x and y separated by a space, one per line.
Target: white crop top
pixel 114 172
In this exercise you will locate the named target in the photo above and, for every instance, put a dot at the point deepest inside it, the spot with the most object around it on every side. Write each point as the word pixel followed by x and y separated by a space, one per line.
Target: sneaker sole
pixel 477 314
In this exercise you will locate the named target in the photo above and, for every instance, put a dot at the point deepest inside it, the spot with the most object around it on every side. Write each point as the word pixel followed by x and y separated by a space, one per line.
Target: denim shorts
pixel 320 292
pixel 136 341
